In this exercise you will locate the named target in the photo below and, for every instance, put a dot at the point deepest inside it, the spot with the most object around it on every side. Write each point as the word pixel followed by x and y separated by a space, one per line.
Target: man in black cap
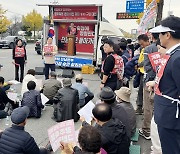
pixel 167 86
pixel 109 97
pixel 15 140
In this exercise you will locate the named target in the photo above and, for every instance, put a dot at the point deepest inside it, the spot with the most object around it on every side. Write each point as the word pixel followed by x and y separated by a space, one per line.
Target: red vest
pixel 19 52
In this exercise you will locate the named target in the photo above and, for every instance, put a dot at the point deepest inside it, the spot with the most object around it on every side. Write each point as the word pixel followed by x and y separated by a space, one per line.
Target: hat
pixel 161 29
pixel 20 114
pixel 53 74
pixel 78 77
pixel 124 94
pixel 106 94
pixel 66 82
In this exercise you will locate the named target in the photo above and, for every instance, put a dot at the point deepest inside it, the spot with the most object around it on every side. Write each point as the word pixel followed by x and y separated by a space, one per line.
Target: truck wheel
pixel 11 45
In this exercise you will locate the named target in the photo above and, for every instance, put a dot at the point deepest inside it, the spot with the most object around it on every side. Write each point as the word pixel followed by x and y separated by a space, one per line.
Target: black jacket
pixel 119 112
pixel 66 104
pixel 15 140
pixel 114 138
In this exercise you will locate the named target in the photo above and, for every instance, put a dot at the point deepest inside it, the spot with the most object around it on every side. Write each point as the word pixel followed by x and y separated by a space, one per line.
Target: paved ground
pixel 38 128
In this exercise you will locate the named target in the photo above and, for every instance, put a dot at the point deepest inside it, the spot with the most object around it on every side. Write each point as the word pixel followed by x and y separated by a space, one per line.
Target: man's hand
pixel 82 119
pixel 150 85
pixel 101 86
pixel 66 148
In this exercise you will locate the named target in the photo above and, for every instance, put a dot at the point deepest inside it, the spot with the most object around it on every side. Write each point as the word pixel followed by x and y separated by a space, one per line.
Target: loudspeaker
pixel 68 73
pixel 39 70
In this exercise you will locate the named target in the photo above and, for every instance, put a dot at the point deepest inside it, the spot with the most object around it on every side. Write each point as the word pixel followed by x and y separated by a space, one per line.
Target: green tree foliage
pixel 4 22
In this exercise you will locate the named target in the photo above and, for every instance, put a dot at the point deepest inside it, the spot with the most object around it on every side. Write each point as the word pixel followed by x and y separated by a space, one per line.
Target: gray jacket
pixel 149 72
pixel 51 87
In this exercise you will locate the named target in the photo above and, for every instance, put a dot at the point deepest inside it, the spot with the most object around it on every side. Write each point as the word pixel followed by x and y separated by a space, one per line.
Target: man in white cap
pixel 85 95
pixel 167 86
pixel 15 139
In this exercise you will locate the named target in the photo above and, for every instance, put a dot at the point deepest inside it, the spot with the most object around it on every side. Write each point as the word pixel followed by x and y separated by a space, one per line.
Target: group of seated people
pixel 114 116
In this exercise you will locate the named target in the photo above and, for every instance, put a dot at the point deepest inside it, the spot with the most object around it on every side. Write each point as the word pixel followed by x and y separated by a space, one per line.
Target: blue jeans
pixel 46 71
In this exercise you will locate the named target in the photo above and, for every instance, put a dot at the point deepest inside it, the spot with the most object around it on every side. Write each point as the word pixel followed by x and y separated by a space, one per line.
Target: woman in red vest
pixel 19 59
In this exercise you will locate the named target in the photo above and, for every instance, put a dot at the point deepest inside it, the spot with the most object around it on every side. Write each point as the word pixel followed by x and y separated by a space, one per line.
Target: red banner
pixel 84 38
pixel 155 59
pixel 76 13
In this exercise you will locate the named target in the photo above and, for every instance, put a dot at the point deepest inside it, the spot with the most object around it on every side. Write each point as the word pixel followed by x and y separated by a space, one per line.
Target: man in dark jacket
pixel 167 87
pixel 32 99
pixel 15 140
pixel 107 96
pixel 113 133
pixel 66 102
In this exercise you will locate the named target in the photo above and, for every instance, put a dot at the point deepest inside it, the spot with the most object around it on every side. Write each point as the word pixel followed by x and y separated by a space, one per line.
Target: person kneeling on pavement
pixel 123 97
pixel 4 100
pixel 32 99
pixel 113 133
pixel 16 140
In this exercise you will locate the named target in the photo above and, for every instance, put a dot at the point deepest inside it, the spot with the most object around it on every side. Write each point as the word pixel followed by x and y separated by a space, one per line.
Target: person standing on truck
pixel 72 30
pixel 49 52
pixel 112 68
pixel 19 59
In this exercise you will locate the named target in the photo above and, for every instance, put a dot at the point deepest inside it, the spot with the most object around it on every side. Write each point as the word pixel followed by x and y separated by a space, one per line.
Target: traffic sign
pixel 123 15
pixel 134 6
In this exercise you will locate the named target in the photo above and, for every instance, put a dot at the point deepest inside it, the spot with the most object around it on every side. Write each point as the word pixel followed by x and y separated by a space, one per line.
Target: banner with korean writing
pixel 148 19
pixel 75 12
pixel 84 38
pixel 155 59
pixel 63 131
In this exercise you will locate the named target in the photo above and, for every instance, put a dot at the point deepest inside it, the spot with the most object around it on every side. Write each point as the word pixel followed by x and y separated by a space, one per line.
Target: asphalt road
pixel 38 127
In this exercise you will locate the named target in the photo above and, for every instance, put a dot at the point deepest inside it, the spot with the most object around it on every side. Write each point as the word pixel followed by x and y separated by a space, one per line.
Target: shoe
pixel 139 111
pixel 144 134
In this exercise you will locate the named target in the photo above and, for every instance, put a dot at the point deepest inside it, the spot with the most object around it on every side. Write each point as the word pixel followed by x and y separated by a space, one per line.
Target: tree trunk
pixel 159 12
pixel 34 33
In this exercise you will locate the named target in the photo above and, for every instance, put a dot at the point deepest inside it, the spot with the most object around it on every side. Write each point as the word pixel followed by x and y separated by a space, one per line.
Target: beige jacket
pixel 49 53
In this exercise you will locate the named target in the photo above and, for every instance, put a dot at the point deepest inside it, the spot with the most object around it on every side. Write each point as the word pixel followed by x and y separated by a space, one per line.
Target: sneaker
pixel 144 134
pixel 139 111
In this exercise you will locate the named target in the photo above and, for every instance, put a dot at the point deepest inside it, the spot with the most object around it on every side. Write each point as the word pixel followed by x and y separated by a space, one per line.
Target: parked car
pixel 10 40
pixel 38 46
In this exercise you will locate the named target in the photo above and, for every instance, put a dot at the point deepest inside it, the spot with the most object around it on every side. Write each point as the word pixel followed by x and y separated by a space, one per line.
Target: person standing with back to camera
pixel 19 59
pixel 49 52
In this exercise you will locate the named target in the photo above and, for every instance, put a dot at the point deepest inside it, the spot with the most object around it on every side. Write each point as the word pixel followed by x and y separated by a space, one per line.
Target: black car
pixel 9 41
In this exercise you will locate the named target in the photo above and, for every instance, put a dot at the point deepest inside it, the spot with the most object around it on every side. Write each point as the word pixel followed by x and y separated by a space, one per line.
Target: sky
pixel 110 8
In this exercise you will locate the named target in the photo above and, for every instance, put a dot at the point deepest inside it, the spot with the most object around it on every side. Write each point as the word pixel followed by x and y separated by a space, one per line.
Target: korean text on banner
pixel 86 111
pixel 63 131
pixel 155 59
pixel 148 18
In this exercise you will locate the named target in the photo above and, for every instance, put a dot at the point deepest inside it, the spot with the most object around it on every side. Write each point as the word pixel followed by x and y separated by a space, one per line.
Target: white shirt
pixel 172 48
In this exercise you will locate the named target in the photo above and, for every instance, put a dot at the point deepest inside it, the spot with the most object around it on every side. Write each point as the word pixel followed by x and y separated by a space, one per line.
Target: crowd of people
pixel 152 65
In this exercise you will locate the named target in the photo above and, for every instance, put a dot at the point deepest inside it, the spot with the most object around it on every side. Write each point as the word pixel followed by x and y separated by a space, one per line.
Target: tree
pixel 15 26
pixel 4 22
pixel 33 21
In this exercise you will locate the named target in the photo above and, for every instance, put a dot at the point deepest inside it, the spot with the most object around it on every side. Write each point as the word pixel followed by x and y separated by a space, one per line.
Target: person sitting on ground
pixel 66 102
pixel 85 95
pixel 4 100
pixel 15 140
pixel 32 99
pixel 107 96
pixel 123 97
pixel 30 76
pixel 113 133
pixel 51 87
pixel 89 140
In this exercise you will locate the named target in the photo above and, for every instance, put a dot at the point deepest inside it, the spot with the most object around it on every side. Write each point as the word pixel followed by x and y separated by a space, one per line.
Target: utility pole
pixel 159 12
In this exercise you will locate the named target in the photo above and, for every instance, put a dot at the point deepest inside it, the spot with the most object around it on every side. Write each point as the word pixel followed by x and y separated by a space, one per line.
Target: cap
pixel 124 94
pixel 79 77
pixel 66 82
pixel 106 94
pixel 160 29
pixel 20 114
